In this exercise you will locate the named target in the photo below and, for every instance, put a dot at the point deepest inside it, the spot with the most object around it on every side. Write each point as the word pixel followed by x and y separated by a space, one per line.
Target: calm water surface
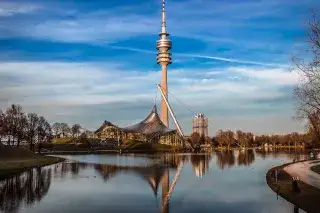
pixel 225 181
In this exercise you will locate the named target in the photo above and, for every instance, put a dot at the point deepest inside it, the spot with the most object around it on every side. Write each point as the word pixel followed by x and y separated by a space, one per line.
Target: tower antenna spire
pixel 163 24
pixel 164 59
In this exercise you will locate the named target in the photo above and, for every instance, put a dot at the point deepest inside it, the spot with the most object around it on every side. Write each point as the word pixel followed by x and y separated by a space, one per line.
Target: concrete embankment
pixel 307 198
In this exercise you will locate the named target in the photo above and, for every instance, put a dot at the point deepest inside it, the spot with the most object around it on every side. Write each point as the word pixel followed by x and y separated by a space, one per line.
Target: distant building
pixel 200 125
pixel 151 129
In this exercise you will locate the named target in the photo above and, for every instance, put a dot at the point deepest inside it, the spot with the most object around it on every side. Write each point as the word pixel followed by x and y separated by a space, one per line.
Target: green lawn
pixel 63 140
pixel 136 145
pixel 14 160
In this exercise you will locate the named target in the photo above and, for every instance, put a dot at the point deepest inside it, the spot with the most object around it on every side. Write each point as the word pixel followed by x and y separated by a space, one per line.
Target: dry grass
pixel 63 140
pixel 135 145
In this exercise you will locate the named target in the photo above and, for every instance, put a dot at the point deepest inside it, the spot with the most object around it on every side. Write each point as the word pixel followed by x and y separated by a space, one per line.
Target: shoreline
pixel 306 200
pixel 10 167
pixel 106 152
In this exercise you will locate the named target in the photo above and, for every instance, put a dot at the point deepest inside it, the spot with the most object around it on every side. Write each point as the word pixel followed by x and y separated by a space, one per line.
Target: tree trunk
pixel 31 145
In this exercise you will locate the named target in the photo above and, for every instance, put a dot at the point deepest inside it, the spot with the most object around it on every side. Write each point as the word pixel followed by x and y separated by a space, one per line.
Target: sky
pixel 88 61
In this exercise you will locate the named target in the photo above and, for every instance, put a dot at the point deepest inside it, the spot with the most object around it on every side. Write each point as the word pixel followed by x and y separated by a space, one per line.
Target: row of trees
pixel 63 130
pixel 17 126
pixel 229 138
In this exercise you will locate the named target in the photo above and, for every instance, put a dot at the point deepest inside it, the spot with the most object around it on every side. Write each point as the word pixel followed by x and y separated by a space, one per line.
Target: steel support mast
pixel 173 117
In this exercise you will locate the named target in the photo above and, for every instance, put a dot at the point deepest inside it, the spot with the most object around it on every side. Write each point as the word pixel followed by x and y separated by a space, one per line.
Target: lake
pixel 222 181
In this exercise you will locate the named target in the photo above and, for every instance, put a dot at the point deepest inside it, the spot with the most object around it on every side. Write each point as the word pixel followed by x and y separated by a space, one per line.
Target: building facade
pixel 151 129
pixel 200 125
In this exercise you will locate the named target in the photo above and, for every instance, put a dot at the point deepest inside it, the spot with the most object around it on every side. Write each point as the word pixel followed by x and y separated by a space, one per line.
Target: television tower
pixel 164 59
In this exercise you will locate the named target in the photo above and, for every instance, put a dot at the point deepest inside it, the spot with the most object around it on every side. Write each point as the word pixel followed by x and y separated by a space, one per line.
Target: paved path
pixel 302 170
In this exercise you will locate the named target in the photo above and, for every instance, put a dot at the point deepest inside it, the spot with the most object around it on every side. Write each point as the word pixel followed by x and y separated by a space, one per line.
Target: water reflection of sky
pixel 222 182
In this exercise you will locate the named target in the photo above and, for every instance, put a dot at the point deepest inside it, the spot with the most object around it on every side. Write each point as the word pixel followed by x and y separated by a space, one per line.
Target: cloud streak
pixel 231 60
pixel 8 9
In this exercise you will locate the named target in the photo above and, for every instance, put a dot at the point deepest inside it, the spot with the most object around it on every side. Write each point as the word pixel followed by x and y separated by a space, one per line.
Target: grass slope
pixel 7 152
pixel 135 145
pixel 63 140
pixel 15 160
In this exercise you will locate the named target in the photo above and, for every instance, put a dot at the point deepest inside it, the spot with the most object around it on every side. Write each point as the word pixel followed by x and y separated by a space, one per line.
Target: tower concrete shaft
pixel 164 45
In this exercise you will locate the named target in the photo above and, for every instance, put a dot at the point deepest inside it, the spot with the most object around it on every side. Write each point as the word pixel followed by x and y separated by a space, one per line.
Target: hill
pixel 14 160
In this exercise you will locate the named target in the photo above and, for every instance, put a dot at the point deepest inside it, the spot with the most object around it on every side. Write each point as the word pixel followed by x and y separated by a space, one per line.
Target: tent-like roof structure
pixel 152 124
pixel 105 123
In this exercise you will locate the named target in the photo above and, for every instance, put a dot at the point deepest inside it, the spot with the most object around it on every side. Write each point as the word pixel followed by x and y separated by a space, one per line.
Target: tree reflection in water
pixel 291 153
pixel 246 157
pixel 24 189
pixel 225 158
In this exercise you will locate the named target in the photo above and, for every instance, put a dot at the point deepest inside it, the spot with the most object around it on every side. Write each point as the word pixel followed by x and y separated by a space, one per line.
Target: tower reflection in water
pixel 32 186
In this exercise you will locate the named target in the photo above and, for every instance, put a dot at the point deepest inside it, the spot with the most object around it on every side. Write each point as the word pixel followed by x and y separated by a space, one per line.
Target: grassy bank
pixel 308 197
pixel 142 147
pixel 15 160
pixel 316 169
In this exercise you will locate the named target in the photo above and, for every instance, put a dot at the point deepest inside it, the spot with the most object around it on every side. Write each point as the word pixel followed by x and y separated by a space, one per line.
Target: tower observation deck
pixel 164 45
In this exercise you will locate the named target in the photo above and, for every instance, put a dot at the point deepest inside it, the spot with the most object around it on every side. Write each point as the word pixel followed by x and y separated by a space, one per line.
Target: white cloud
pixel 91 92
pixel 112 26
pixel 275 75
pixel 11 8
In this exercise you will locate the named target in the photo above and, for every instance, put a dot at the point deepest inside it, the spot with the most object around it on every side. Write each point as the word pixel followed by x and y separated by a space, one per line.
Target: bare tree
pixel 32 129
pixel 307 94
pixel 314 125
pixel 219 138
pixel 44 130
pixel 75 129
pixel 225 138
pixel 21 126
pixel 229 138
pixel 3 129
pixel 15 120
pixel 202 139
pixel 57 130
pixel 195 138
pixel 65 129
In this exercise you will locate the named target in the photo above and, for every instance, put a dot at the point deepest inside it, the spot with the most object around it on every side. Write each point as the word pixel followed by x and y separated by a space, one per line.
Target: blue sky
pixel 89 61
